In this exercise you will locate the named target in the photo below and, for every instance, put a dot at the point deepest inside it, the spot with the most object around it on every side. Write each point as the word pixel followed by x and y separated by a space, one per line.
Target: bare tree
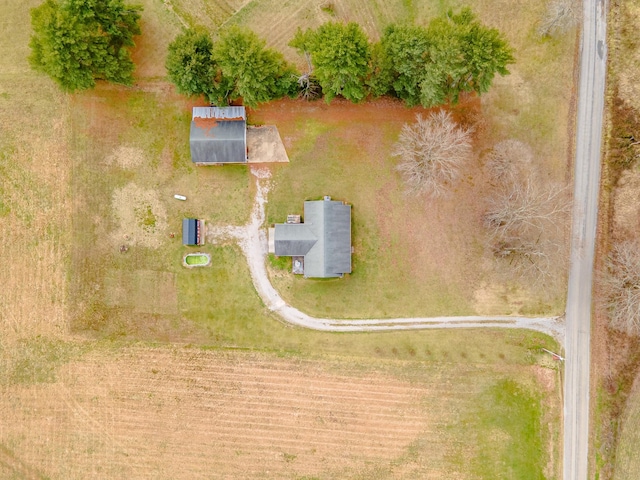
pixel 622 287
pixel 560 16
pixel 530 258
pixel 523 206
pixel 508 161
pixel 525 217
pixel 309 86
pixel 525 224
pixel 433 151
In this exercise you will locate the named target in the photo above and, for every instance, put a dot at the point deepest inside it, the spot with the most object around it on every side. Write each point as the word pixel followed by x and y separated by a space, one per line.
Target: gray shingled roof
pixel 324 239
pixel 293 239
pixel 218 135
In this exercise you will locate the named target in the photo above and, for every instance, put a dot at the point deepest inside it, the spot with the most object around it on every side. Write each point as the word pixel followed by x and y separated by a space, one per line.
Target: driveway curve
pixel 252 240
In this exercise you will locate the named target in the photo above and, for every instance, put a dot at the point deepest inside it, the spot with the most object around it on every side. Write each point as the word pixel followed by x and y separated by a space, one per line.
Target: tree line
pixel 425 66
pixel 77 42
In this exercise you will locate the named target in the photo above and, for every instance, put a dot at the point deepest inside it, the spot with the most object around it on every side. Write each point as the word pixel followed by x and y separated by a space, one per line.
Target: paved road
pixel 252 240
pixel 587 181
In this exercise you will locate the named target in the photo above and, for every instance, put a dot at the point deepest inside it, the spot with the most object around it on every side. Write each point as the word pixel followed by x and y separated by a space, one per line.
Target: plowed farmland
pixel 182 413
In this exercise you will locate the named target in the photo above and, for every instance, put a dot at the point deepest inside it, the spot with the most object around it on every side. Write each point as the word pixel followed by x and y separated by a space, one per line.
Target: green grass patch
pixel 510 446
pixel 279 263
pixel 145 216
pixel 196 260
pixel 329 8
pixel 36 360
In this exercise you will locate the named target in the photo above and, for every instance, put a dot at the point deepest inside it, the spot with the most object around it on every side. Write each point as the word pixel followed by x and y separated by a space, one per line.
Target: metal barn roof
pixel 220 113
pixel 218 135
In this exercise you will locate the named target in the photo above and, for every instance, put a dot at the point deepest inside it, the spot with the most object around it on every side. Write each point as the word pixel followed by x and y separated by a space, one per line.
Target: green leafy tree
pixel 257 74
pixel 192 68
pixel 406 48
pixel 340 55
pixel 486 53
pixel 77 42
pixel 380 79
pixel 454 54
pixel 466 55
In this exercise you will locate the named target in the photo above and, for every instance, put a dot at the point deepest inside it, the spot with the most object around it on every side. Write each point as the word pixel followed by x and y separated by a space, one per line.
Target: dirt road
pixel 593 64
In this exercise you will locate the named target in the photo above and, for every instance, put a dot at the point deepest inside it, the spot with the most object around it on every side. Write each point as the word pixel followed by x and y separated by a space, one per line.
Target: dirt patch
pixel 288 111
pixel 264 145
pixel 126 157
pixel 141 217
pixel 144 291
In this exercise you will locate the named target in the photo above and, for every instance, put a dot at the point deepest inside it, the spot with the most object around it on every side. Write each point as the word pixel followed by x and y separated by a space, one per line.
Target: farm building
pixel 218 135
pixel 193 232
pixel 321 246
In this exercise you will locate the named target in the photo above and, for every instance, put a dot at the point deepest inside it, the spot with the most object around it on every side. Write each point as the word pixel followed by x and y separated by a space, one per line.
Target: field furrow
pixel 246 415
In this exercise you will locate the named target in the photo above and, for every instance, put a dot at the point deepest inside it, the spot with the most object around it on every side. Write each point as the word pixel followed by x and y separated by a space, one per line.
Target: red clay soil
pixel 386 109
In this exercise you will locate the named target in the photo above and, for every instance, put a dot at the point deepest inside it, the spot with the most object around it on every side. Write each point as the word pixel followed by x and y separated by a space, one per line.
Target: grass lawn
pixel 435 250
pixel 344 151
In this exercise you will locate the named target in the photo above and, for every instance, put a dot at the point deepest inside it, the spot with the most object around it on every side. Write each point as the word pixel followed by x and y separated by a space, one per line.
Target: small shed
pixel 193 232
pixel 218 135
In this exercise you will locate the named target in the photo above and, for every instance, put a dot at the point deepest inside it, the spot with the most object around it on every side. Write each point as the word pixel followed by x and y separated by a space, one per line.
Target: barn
pixel 218 135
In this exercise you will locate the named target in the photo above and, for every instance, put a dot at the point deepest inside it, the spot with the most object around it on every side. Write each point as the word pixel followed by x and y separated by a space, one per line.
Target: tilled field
pixel 180 413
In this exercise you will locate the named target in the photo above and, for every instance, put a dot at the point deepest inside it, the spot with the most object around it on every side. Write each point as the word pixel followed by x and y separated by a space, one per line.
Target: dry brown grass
pixel 140 215
pixel 626 54
pixel 34 172
pixel 159 27
pixel 277 21
pixel 615 355
pixel 181 413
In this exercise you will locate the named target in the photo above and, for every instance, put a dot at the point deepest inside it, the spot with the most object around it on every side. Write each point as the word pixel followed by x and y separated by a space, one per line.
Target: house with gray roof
pixel 218 135
pixel 322 244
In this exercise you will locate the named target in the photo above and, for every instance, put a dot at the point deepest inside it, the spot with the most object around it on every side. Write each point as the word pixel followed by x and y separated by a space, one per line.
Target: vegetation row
pixel 77 42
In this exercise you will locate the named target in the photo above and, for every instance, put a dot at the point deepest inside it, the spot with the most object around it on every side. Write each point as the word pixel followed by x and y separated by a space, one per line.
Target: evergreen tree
pixel 193 70
pixel 454 54
pixel 340 55
pixel 257 74
pixel 406 48
pixel 77 42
